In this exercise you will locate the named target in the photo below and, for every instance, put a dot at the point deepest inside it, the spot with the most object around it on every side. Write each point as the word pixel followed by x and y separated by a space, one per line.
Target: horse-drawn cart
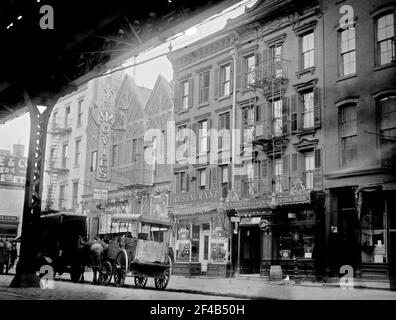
pixel 138 257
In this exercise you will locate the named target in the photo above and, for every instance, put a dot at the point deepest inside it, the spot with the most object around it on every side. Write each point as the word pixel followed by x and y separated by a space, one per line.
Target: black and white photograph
pixel 197 155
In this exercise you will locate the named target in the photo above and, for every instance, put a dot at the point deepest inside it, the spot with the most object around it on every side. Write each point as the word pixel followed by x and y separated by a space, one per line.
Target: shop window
pixel 195 243
pixel 183 243
pixel 297 234
pixel 373 229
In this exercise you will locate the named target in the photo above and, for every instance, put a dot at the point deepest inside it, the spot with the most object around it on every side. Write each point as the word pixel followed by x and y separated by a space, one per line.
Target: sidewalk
pixel 202 287
pixel 259 289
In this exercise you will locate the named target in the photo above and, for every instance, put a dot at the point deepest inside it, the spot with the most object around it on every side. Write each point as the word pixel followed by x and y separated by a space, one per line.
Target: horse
pixel 90 253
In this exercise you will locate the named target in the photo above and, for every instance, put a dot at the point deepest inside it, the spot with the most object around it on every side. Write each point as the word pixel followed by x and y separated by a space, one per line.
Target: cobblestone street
pixel 200 288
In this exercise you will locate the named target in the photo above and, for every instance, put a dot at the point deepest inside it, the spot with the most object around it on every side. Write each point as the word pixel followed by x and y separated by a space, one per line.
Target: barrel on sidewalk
pixel 276 273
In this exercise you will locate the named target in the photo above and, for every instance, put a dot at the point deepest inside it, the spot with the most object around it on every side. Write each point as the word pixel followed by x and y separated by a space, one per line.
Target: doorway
pixel 204 249
pixel 250 250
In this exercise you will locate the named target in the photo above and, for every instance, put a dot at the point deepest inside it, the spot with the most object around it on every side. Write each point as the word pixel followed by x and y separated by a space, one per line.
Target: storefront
pixel 363 230
pixel 281 229
pixel 202 236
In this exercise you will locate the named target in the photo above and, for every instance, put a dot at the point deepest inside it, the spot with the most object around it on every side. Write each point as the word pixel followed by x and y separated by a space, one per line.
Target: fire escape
pixel 270 134
pixel 55 167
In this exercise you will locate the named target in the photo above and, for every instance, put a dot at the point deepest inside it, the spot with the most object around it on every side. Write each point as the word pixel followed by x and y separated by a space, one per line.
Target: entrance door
pixel 250 250
pixel 204 249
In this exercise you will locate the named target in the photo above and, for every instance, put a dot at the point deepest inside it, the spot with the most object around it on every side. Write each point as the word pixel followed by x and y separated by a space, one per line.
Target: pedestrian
pixel 14 254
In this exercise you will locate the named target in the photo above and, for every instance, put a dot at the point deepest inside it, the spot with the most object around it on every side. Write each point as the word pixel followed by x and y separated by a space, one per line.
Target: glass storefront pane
pixel 373 230
pixel 195 243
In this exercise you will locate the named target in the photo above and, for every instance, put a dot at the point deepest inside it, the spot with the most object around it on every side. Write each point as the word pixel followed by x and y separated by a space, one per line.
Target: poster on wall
pixel 159 206
pixel 219 239
pixel 219 250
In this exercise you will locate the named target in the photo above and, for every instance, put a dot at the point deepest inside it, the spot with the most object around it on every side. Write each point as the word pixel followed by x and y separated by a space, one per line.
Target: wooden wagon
pixel 137 257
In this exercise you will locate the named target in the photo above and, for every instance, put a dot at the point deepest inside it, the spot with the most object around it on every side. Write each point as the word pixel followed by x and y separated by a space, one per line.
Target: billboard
pixel 13 169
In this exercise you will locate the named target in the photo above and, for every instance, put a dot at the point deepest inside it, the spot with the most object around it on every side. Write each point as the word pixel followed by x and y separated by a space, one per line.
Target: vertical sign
pixel 105 119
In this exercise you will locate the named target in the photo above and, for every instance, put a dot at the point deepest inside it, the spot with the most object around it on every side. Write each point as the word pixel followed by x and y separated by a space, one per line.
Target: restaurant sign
pixel 201 196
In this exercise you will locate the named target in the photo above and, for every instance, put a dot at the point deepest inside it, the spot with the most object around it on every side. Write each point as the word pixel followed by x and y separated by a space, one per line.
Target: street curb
pixel 15 295
pixel 332 285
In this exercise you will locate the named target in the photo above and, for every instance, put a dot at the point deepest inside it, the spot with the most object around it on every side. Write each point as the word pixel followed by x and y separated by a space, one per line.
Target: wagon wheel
pixel 161 283
pixel 140 282
pixel 120 268
pixel 105 273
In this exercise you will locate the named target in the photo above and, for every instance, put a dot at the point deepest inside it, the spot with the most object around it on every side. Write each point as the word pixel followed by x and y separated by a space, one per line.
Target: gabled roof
pixel 160 84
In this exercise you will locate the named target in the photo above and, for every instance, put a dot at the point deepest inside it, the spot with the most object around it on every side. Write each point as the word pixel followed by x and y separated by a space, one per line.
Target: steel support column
pixel 26 268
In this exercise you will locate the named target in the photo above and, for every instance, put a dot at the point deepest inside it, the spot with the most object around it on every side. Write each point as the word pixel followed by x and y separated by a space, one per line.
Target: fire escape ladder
pixel 54 174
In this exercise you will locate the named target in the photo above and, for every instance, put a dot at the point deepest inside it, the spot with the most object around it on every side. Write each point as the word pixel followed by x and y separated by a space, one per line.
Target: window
pixel 309 170
pixel 308 53
pixel 385 39
pixel 62 199
pixel 204 87
pixel 250 116
pixel 65 153
pixel 203 137
pixel 67 115
pixel 224 127
pixel 181 182
pixel 278 175
pixel 75 193
pixel 224 174
pixel 202 178
pixel 114 156
pixel 347 50
pixel 94 160
pixel 250 68
pixel 184 94
pixel 308 114
pixel 387 112
pixel 225 78
pixel 78 152
pixel 348 135
pixel 182 140
pixel 277 118
pixel 79 112
pixel 276 52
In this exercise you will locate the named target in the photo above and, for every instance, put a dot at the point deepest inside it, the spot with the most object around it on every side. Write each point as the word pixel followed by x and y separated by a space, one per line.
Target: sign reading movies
pixel 13 169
